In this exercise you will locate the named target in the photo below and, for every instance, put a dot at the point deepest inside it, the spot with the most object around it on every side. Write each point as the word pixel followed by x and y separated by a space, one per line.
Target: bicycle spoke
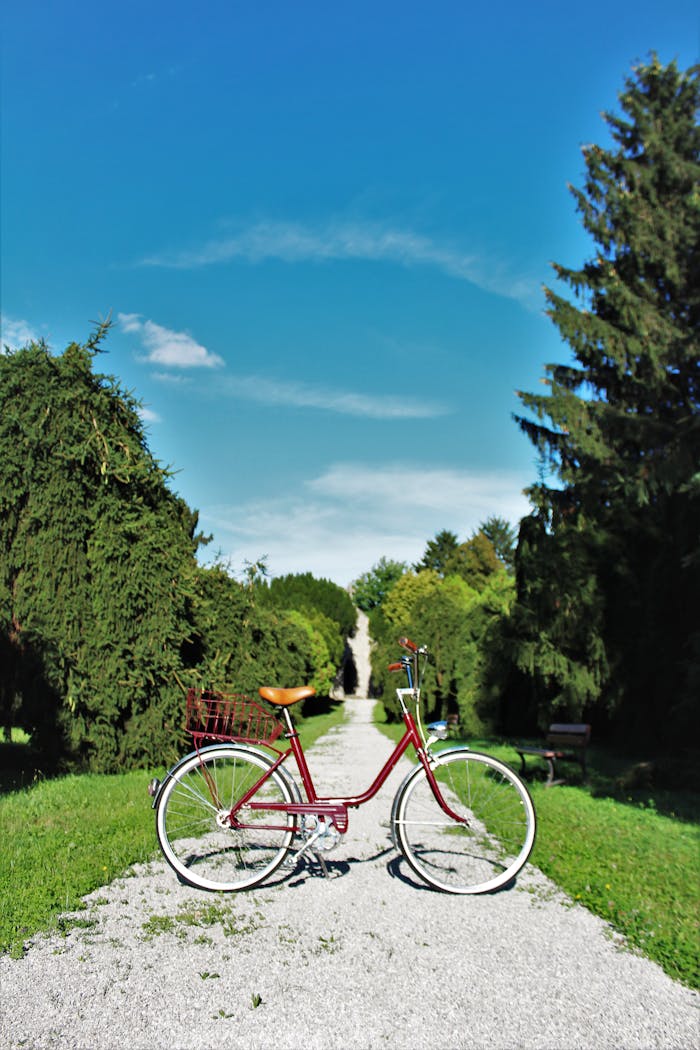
pixel 481 855
pixel 195 834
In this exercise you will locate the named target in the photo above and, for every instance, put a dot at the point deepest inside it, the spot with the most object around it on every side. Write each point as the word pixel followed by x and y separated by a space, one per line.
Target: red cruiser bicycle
pixel 230 813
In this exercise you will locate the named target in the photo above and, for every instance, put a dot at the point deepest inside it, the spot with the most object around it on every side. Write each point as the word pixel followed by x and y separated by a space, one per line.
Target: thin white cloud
pixel 294 242
pixel 177 350
pixel 168 348
pixel 462 497
pixel 144 78
pixel 16 333
pixel 148 415
pixel 354 514
pixel 402 488
pixel 155 76
pixel 302 395
pixel 171 379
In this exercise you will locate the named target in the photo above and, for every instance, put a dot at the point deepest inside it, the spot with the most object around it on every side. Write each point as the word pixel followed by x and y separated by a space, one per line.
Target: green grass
pixel 65 837
pixel 634 867
pixel 18 736
pixel 615 851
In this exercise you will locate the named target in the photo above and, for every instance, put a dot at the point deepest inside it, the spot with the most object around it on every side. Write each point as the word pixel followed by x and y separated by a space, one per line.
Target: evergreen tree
pixel 105 616
pixel 438 552
pixel 460 625
pixel 305 593
pixel 239 643
pixel 608 567
pixel 96 564
pixel 503 537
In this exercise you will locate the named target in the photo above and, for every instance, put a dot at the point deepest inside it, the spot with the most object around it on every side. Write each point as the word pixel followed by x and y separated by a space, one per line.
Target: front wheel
pixel 195 832
pixel 486 851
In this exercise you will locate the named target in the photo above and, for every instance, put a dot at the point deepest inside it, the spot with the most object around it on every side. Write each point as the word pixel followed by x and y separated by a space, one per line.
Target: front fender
pixel 434 758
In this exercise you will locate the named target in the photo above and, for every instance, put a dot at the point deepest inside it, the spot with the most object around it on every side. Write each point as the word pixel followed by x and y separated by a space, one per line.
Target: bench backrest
pixel 561 735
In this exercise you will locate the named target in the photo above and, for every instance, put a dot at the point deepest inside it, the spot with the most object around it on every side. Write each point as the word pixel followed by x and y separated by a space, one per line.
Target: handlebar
pixel 409 663
pixel 413 663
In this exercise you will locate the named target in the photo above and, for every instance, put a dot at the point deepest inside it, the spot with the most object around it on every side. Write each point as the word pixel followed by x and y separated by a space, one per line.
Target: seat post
pixel 288 721
pixel 300 757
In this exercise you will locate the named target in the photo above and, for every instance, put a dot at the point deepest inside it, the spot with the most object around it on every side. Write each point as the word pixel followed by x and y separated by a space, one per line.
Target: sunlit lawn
pixel 64 837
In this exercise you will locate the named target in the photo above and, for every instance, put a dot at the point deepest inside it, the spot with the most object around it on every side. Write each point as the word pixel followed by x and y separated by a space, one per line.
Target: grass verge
pixel 64 838
pixel 614 853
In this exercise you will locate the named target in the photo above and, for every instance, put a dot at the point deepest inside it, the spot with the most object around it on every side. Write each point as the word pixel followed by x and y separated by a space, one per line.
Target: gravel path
pixel 366 958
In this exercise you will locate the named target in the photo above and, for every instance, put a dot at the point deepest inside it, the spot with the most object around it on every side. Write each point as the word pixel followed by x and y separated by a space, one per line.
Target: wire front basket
pixel 229 716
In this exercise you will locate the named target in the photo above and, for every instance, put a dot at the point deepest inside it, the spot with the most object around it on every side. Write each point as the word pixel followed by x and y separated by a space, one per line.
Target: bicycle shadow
pixel 310 867
pixel 314 866
pixel 300 869
pixel 398 868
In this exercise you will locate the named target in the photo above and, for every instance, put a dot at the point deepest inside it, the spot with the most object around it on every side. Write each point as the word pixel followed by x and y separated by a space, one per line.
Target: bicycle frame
pixel 336 808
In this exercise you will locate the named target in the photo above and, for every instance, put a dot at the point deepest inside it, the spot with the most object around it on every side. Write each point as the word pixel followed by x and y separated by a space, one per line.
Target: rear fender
pixel 286 776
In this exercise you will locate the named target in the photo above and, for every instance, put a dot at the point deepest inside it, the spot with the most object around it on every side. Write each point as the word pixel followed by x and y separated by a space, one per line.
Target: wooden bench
pixel 565 743
pixel 453 723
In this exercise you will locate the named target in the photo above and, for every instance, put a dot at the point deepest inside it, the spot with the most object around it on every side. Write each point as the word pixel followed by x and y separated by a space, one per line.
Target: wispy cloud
pixel 347 518
pixel 165 347
pixel 294 242
pixel 156 76
pixel 303 395
pixel 178 350
pixel 16 333
pixel 148 415
pixel 171 379
pixel 398 489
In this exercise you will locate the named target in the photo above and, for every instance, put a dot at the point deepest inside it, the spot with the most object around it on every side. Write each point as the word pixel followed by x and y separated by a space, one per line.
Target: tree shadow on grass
pixel 667 783
pixel 28 700
pixel 21 766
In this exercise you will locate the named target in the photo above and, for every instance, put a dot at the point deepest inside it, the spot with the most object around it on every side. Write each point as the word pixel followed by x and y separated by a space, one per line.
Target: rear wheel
pixel 486 851
pixel 197 837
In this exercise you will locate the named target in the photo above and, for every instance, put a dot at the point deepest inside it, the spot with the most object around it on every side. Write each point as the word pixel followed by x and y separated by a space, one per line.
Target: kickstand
pixel 323 865
pixel 308 847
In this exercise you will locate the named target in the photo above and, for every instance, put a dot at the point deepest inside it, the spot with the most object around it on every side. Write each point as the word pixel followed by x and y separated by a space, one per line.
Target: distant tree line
pixel 454 601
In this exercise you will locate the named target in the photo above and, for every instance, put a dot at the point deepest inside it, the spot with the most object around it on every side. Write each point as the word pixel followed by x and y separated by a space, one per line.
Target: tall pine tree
pixel 608 565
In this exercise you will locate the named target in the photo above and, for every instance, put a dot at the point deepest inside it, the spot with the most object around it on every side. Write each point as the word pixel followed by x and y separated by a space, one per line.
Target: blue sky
pixel 322 232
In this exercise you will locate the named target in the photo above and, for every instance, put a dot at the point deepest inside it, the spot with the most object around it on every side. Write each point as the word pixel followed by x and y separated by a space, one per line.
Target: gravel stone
pixel 365 958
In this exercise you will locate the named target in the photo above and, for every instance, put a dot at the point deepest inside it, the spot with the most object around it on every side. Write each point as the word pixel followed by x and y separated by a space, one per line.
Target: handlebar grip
pixel 406 643
pixel 395 667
